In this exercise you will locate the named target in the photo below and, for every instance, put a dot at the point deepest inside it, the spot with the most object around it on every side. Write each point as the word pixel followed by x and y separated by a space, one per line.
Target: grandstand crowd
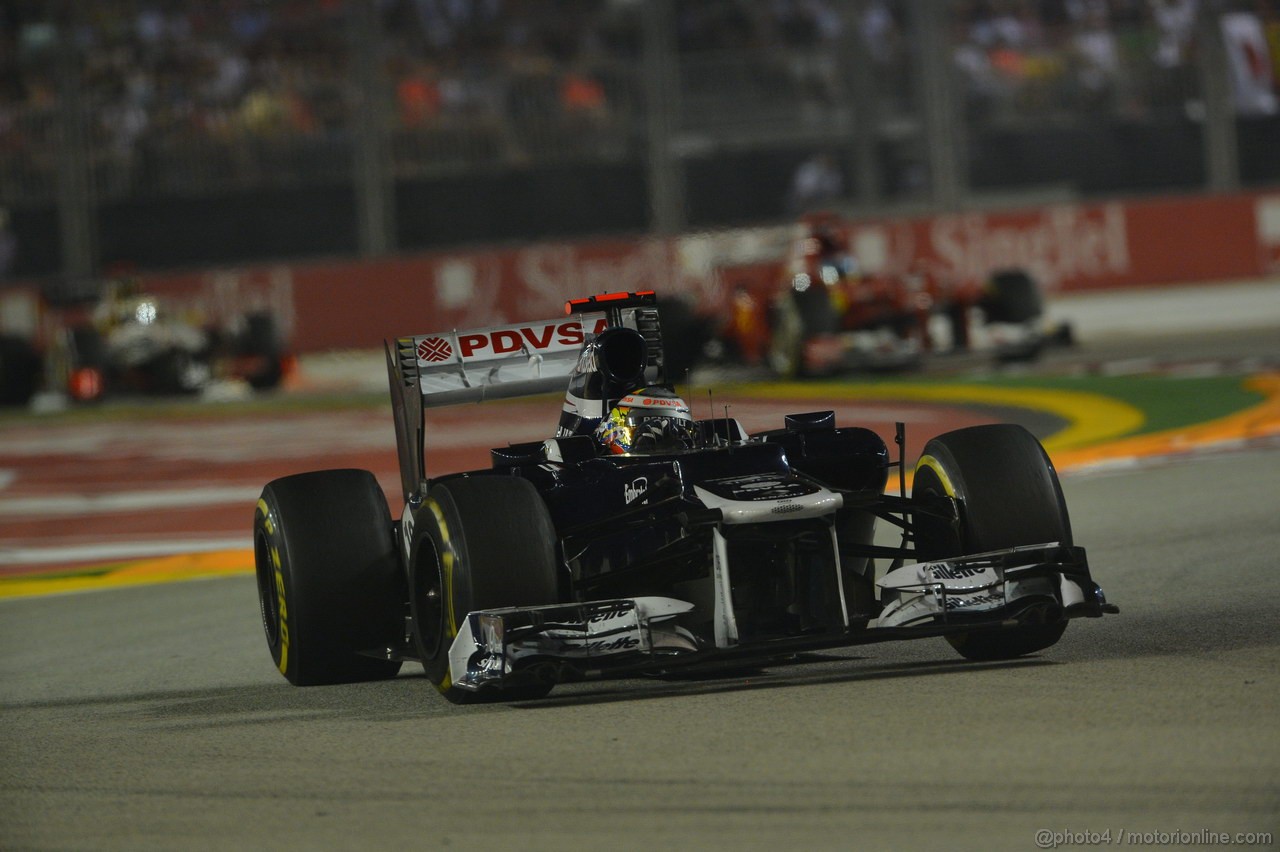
pixel 223 84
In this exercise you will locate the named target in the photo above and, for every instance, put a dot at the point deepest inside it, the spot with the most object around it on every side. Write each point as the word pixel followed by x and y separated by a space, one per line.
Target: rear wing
pixel 500 362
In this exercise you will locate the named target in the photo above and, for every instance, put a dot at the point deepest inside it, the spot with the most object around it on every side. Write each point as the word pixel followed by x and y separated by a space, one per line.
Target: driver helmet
pixel 645 421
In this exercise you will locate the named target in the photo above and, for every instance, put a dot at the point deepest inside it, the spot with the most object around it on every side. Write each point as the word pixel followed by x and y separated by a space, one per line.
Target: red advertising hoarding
pixel 1068 247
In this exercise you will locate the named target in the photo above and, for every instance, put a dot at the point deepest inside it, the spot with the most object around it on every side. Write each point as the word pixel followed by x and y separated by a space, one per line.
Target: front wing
pixel 505 647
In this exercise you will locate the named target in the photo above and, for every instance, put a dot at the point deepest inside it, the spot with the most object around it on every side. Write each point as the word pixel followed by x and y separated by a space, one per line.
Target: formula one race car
pixel 135 342
pixel 638 539
pixel 820 312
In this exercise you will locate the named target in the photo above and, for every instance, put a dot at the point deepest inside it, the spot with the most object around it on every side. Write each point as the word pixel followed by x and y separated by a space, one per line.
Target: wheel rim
pixel 934 539
pixel 429 603
pixel 268 597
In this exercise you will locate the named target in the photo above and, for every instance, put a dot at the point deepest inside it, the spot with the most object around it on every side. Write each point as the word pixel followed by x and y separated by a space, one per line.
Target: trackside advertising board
pixel 1068 247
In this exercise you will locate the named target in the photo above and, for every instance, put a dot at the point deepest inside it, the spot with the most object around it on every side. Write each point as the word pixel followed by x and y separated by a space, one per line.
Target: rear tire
pixel 684 335
pixel 86 365
pixel 1013 297
pixel 483 542
pixel 1008 495
pixel 19 370
pixel 262 341
pixel 329 583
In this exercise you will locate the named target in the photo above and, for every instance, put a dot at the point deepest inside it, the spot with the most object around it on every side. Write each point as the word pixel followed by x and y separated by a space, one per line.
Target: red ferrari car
pixel 819 311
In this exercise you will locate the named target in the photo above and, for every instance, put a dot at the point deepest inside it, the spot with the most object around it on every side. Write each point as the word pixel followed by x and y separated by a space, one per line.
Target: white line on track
pixel 127 501
pixel 119 550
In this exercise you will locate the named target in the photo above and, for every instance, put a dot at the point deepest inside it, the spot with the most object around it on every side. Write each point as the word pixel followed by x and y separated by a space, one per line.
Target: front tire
pixel 1008 495
pixel 799 317
pixel 329 584
pixel 180 372
pixel 483 542
pixel 786 341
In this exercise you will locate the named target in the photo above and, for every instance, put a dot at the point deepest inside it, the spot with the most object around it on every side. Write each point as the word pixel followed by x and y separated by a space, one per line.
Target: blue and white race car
pixel 639 539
